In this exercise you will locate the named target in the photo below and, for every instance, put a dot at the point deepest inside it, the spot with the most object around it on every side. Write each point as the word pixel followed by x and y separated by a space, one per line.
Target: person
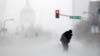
pixel 65 39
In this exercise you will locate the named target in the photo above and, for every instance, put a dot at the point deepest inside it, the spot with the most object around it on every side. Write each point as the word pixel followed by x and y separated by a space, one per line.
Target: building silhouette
pixel 89 31
pixel 27 16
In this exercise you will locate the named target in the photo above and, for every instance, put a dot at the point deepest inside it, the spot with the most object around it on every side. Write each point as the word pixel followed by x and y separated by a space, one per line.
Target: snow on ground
pixel 46 47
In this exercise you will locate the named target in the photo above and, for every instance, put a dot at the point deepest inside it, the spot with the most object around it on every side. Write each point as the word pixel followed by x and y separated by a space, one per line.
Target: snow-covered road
pixel 51 47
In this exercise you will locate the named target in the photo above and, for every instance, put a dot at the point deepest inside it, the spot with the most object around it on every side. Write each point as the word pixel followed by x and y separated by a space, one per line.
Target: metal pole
pixel 93 16
pixel 93 21
pixel 64 15
pixel 6 21
pixel 4 24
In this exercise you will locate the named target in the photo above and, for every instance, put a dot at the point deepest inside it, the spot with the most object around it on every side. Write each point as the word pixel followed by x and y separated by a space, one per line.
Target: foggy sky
pixel 44 12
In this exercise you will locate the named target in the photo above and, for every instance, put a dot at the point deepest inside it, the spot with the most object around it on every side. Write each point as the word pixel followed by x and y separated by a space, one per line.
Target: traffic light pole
pixel 64 15
pixel 71 16
pixel 57 15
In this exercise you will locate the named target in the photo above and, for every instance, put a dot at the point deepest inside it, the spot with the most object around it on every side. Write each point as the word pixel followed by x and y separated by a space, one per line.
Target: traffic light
pixel 57 13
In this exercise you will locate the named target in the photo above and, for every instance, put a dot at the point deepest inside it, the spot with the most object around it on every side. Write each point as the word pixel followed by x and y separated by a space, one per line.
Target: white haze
pixel 44 12
pixel 46 44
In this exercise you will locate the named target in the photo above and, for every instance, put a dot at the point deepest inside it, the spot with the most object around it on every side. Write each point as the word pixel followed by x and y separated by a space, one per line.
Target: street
pixel 44 47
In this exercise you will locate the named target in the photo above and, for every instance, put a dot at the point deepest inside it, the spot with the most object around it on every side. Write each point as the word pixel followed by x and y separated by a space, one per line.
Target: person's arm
pixel 71 36
pixel 63 38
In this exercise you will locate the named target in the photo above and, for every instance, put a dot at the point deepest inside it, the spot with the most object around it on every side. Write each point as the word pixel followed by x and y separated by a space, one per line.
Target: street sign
pixel 57 12
pixel 75 17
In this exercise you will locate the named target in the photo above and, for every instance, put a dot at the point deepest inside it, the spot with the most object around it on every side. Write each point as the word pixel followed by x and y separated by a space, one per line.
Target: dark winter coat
pixel 65 38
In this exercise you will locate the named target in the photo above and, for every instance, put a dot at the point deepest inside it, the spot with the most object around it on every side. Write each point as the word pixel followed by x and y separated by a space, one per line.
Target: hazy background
pixel 44 38
pixel 44 12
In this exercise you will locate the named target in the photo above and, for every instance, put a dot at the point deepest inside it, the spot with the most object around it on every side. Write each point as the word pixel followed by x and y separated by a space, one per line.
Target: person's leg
pixel 65 46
